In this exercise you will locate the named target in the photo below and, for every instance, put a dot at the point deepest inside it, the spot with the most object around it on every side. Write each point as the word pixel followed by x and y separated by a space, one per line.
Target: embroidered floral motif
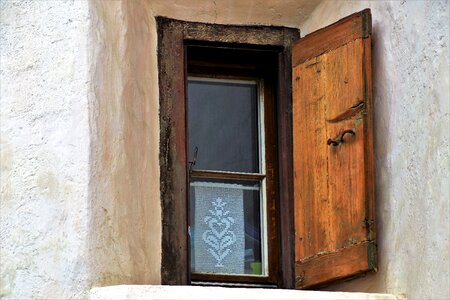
pixel 219 237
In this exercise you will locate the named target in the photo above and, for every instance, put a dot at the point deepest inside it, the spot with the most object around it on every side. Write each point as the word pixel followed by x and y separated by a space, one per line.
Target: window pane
pixel 225 227
pixel 223 124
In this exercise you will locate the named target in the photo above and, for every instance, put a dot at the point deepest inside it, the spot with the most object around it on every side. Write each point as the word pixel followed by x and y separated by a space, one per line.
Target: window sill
pixel 202 292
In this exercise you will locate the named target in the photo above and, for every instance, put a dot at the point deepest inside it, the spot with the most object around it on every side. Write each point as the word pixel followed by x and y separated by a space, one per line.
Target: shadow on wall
pixel 124 242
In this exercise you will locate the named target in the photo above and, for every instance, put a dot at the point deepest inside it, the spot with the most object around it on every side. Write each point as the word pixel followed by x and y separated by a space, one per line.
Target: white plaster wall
pixel 44 149
pixel 166 292
pixel 411 131
pixel 80 137
pixel 268 12
pixel 80 183
pixel 125 227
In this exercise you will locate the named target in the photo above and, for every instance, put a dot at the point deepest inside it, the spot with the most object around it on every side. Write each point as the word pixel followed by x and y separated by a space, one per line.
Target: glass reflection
pixel 223 124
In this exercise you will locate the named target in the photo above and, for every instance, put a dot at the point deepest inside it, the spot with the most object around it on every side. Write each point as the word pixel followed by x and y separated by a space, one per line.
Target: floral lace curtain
pixel 218 232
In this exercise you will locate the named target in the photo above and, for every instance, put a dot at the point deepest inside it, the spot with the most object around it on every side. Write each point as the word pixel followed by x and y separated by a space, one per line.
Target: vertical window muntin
pixel 259 176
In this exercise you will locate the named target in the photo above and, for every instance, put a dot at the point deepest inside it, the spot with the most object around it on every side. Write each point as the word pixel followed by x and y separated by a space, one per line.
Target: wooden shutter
pixel 333 152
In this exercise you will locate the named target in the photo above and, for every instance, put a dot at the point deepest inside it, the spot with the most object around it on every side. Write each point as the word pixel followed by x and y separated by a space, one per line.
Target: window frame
pixel 255 71
pixel 173 35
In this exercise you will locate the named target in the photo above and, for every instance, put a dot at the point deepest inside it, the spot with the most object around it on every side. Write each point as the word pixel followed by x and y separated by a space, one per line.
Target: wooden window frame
pixel 173 36
pixel 214 61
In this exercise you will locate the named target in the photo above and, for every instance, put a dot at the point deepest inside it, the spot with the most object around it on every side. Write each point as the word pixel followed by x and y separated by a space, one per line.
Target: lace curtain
pixel 218 232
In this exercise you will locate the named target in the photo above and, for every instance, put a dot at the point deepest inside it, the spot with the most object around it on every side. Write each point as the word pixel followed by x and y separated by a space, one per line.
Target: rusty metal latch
pixel 340 139
pixel 194 160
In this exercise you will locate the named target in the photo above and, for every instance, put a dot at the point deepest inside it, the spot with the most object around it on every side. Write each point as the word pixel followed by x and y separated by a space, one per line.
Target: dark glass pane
pixel 225 227
pixel 223 124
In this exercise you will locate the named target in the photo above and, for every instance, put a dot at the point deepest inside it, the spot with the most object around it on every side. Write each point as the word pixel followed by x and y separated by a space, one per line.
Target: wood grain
pixel 333 266
pixel 310 155
pixel 346 182
pixel 331 37
pixel 333 185
pixel 173 160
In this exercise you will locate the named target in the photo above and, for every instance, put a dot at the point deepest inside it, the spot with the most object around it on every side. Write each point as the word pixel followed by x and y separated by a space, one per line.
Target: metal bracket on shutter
pixel 299 280
pixel 340 139
pixel 369 224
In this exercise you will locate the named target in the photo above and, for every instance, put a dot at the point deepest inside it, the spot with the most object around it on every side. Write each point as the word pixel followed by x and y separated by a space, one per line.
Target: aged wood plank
pixel 346 185
pixel 333 266
pixel 224 278
pixel 286 190
pixel 310 156
pixel 368 150
pixel 333 36
pixel 270 129
pixel 333 153
pixel 174 267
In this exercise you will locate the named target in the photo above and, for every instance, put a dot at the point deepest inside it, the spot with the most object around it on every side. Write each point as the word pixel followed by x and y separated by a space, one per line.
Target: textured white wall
pixel 411 131
pixel 269 12
pixel 80 139
pixel 44 148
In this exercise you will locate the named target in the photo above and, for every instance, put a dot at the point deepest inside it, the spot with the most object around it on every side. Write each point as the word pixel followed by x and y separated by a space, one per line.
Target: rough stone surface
pixel 411 131
pixel 44 149
pixel 219 293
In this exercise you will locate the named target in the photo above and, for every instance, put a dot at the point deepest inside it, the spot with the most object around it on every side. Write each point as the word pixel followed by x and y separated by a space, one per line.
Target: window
pixel 227 182
pixel 232 164
pixel 294 172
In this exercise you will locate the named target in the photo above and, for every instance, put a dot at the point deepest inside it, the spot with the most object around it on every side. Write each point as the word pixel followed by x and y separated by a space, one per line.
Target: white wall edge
pixel 203 292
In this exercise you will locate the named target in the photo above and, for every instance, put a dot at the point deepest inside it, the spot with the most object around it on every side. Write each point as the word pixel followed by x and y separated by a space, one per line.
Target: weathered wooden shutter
pixel 333 152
